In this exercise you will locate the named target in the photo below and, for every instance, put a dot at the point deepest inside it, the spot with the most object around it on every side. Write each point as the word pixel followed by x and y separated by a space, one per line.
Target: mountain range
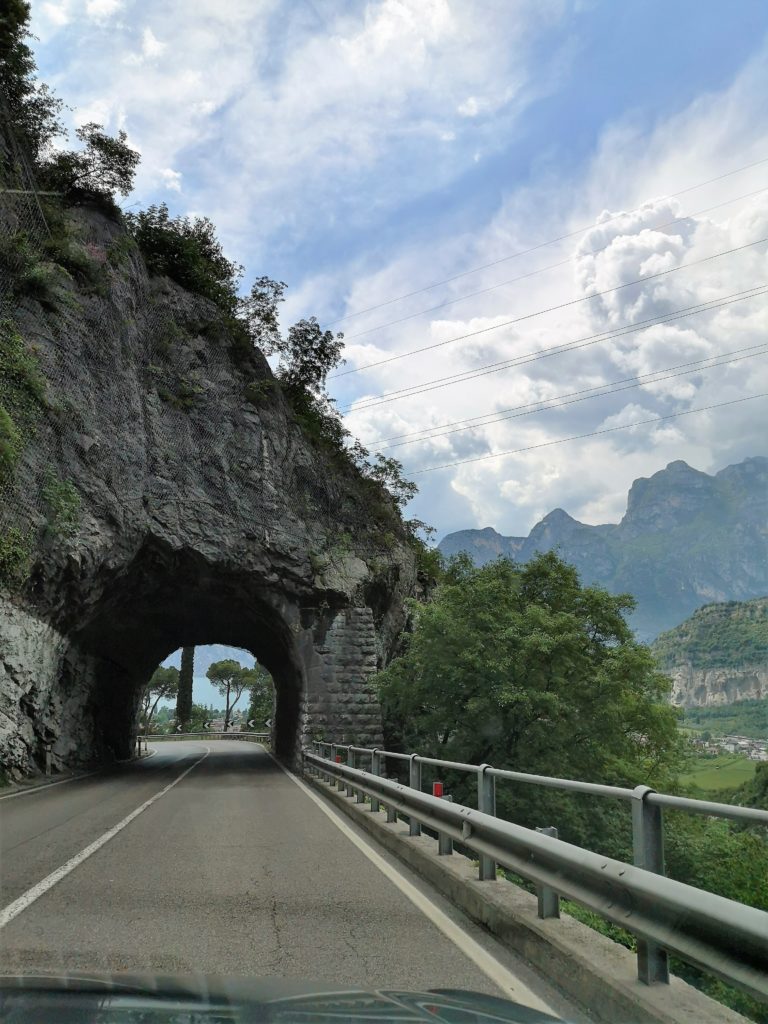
pixel 686 539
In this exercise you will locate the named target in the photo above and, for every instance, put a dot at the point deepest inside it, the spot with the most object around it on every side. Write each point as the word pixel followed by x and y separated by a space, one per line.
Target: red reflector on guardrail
pixel 437 789
pixel 338 759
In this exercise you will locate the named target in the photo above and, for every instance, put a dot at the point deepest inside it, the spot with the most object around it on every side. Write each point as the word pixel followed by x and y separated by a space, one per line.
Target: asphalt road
pixel 232 870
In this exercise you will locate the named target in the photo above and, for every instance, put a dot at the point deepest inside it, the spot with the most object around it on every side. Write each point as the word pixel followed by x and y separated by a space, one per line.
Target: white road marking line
pixel 488 964
pixel 47 785
pixel 29 897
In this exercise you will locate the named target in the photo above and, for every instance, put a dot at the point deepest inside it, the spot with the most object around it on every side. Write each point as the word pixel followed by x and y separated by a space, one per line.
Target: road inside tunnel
pixel 171 600
pixel 230 868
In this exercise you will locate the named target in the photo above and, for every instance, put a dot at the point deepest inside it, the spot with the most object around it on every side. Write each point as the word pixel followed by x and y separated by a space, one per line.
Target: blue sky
pixel 361 151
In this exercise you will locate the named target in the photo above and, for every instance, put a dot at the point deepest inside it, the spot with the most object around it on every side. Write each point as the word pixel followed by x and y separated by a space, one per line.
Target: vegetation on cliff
pixel 731 634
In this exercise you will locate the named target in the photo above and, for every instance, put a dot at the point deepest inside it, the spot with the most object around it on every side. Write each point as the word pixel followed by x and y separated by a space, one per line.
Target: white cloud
pixel 151 47
pixel 102 9
pixel 57 14
pixel 171 178
pixel 469 108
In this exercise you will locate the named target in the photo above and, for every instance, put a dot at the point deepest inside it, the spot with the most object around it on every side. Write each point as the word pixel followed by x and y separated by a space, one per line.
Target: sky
pixel 203 690
pixel 481 180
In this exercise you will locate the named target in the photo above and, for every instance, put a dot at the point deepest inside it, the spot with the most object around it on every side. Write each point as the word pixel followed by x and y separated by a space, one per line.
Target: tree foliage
pixel 187 250
pixel 184 694
pixel 163 685
pixel 524 668
pixel 106 164
pixel 31 109
pixel 231 680
pixel 262 692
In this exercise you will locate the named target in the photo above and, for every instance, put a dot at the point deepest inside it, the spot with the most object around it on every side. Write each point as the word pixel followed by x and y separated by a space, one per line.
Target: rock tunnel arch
pixel 168 599
pixel 220 519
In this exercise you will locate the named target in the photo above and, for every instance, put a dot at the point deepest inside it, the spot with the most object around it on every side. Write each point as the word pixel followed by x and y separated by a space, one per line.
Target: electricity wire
pixel 529 357
pixel 541 245
pixel 542 270
pixel 593 433
pixel 604 391
pixel 555 308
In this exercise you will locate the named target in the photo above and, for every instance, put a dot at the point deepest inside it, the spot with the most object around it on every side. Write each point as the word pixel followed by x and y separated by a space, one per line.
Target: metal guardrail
pixel 252 737
pixel 716 934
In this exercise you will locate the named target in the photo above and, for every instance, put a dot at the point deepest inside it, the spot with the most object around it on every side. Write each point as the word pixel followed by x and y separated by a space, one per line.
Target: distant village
pixel 755 750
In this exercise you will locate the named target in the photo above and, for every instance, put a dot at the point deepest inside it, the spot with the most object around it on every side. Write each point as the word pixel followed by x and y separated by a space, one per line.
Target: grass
pixel 726 771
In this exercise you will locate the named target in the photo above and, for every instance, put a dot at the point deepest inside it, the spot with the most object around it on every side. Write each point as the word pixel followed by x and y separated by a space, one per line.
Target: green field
pixel 724 772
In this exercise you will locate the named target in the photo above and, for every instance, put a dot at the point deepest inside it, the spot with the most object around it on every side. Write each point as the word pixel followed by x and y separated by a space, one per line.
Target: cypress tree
pixel 184 696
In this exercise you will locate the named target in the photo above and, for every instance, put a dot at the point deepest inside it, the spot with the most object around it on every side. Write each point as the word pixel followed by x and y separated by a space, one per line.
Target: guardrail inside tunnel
pixel 711 932
pixel 251 737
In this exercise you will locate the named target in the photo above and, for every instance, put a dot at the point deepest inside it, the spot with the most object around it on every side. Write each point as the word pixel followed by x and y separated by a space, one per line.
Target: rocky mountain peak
pixel 687 539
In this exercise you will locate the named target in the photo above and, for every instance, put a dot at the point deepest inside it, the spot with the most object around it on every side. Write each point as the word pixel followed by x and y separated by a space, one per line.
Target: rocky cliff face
pixel 701 687
pixel 167 496
pixel 686 539
pixel 719 655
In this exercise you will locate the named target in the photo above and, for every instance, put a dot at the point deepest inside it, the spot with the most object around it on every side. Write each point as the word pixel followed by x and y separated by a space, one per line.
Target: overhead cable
pixel 542 270
pixel 587 394
pixel 540 245
pixel 554 350
pixel 593 433
pixel 553 309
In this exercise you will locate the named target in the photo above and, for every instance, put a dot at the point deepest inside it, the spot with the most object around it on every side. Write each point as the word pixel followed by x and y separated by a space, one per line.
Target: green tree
pixel 525 668
pixel 187 250
pixel 105 165
pixel 262 693
pixel 755 792
pixel 184 695
pixel 163 685
pixel 231 680
pixel 307 356
pixel 258 311
pixel 31 110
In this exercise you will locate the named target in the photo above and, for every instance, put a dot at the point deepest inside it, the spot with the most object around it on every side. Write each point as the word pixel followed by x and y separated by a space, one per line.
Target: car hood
pixel 206 999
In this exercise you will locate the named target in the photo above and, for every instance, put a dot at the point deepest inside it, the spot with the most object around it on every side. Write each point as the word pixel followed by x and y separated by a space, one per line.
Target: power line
pixel 553 309
pixel 593 433
pixel 539 245
pixel 529 357
pixel 542 270
pixel 585 395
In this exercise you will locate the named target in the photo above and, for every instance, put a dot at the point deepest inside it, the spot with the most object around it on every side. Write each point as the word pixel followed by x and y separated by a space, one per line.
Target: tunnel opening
pixel 212 688
pixel 168 599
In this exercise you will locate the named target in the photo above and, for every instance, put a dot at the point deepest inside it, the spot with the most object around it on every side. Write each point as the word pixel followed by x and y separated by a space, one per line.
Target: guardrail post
pixel 359 796
pixel 414 781
pixel 351 763
pixel 648 853
pixel 486 802
pixel 389 808
pixel 444 841
pixel 375 770
pixel 549 900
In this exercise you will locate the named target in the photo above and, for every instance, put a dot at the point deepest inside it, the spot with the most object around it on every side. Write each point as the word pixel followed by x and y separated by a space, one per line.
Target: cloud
pixel 102 9
pixel 221 93
pixel 171 178
pixel 151 47
pixel 57 14
pixel 469 108
pixel 590 478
